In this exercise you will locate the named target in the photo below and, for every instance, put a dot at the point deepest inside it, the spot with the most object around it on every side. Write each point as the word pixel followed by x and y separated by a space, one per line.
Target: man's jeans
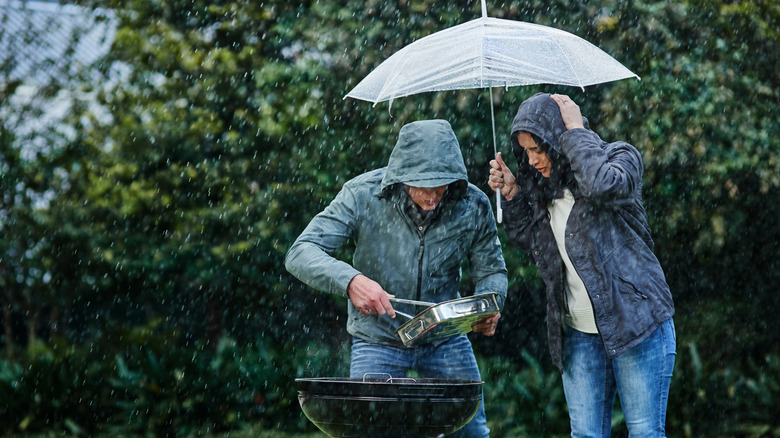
pixel 640 375
pixel 452 360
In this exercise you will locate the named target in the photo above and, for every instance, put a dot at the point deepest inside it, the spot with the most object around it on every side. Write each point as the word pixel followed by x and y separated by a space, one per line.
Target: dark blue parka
pixel 607 235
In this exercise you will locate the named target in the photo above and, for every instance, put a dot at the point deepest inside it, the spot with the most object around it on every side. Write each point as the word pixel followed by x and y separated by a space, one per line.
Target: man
pixel 413 223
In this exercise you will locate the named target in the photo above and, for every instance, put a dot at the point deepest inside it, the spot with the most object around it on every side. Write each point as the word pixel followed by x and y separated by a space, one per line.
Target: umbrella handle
pixel 499 210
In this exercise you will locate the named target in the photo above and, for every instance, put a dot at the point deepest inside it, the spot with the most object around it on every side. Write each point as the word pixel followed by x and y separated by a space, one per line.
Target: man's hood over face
pixel 427 154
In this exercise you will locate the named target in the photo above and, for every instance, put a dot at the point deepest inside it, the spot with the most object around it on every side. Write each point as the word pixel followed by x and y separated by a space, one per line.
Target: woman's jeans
pixel 453 359
pixel 641 376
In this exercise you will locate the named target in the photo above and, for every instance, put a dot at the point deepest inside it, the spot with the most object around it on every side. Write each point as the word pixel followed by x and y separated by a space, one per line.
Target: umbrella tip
pixel 484 9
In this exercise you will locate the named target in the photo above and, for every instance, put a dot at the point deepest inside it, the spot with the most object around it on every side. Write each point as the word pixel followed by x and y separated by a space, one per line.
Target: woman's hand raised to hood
pixel 570 111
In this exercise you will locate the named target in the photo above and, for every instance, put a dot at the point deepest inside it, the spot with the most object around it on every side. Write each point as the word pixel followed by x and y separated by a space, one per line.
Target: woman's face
pixel 536 157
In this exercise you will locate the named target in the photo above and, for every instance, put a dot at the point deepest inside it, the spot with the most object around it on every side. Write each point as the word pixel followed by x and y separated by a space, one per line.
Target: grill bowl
pixel 349 407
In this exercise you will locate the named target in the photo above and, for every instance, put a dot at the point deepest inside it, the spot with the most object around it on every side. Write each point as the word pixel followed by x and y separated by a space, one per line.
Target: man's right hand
pixel 369 297
pixel 502 178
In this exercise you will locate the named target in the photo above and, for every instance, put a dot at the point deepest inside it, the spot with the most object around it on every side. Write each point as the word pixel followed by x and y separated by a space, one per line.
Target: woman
pixel 576 210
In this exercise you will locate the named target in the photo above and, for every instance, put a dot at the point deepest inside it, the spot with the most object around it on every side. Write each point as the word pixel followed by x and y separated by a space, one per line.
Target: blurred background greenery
pixel 142 232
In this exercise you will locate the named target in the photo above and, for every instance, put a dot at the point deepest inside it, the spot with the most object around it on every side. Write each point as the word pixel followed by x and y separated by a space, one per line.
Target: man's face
pixel 426 197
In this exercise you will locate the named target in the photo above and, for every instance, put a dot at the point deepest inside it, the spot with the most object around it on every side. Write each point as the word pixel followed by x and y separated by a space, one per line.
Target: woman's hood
pixel 540 116
pixel 427 154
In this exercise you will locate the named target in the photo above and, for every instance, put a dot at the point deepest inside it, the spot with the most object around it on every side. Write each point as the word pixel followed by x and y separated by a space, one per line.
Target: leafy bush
pixel 734 400
pixel 151 381
pixel 738 400
pixel 193 389
pixel 56 387
pixel 523 399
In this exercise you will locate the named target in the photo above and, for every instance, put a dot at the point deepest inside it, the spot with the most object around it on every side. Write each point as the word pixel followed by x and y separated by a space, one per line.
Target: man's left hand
pixel 488 325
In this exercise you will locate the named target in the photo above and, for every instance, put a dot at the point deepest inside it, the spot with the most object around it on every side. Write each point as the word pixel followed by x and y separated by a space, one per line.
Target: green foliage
pixel 56 387
pixel 524 399
pixel 743 396
pixel 151 381
pixel 141 257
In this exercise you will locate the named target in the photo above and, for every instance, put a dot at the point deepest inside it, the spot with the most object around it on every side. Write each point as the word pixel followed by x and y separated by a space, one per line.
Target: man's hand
pixel 369 297
pixel 570 111
pixel 501 178
pixel 487 326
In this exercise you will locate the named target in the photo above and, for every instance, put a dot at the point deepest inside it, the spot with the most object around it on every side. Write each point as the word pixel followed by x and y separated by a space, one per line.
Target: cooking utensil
pixel 405 315
pixel 412 302
pixel 388 407
pixel 448 318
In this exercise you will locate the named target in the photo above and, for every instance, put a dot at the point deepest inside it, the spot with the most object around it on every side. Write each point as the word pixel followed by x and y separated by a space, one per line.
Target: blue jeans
pixel 640 375
pixel 452 360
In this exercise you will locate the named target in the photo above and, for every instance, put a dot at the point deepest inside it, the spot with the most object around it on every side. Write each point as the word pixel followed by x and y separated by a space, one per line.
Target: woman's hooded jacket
pixel 407 261
pixel 607 235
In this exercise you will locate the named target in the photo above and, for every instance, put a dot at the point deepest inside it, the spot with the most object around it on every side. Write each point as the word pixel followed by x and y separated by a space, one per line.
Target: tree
pixel 35 92
pixel 221 129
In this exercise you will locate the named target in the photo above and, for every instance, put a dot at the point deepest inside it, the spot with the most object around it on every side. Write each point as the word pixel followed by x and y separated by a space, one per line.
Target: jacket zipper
pixel 587 292
pixel 563 302
pixel 421 252
pixel 420 266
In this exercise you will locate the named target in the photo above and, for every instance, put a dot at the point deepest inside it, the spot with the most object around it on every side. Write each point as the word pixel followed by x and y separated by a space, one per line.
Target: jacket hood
pixel 540 116
pixel 427 154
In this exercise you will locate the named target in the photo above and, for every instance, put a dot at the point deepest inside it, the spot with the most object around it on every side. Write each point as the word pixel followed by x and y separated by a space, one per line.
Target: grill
pixel 388 407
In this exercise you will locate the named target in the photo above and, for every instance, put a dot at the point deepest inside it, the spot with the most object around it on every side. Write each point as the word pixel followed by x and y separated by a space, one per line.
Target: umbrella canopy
pixel 489 52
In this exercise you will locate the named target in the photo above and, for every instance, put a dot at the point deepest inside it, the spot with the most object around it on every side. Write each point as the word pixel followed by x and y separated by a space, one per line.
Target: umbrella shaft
pixel 499 210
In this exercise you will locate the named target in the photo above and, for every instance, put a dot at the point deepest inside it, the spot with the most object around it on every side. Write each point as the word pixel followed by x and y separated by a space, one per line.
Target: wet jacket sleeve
pixel 486 261
pixel 604 172
pixel 310 259
pixel 518 216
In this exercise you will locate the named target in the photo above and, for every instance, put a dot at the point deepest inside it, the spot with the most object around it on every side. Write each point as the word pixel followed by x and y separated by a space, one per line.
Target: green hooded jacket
pixel 390 249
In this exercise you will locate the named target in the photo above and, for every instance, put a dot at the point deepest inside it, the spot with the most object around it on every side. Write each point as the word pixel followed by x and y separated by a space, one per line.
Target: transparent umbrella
pixel 489 52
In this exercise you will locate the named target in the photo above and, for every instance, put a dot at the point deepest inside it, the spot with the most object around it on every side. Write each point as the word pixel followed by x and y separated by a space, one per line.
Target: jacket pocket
pixel 628 288
pixel 632 310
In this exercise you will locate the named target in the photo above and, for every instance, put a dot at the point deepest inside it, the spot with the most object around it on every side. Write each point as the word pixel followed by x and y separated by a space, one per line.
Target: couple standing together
pixel 574 207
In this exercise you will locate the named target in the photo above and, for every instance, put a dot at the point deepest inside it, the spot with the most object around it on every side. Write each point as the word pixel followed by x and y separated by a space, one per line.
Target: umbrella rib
pixel 482 51
pixel 571 66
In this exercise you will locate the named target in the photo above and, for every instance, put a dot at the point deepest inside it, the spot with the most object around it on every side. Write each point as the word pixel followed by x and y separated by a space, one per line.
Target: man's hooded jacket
pixel 407 260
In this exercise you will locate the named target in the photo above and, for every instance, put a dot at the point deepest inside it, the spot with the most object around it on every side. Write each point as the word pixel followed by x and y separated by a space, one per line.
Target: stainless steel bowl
pixel 448 318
